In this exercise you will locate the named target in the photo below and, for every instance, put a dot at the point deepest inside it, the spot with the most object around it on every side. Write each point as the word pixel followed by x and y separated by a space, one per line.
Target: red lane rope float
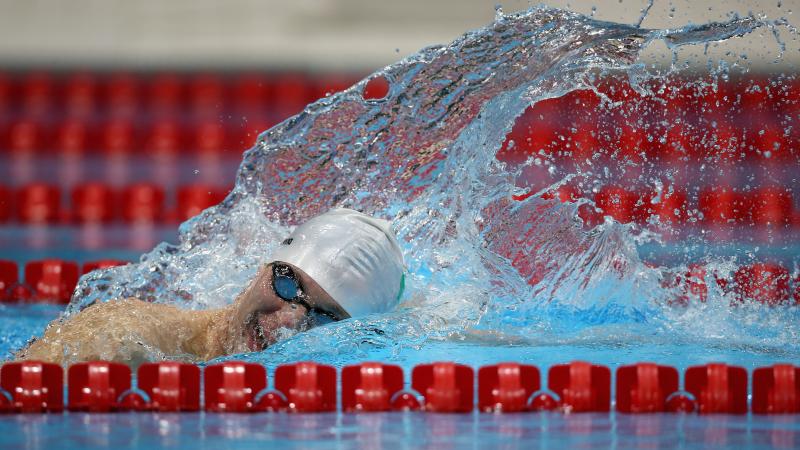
pixel 171 386
pixel 371 387
pixel 644 387
pixel 52 280
pixel 32 387
pixel 718 388
pixel 445 386
pixel 507 387
pixel 307 387
pixel 581 386
pixel 776 390
pixel 232 386
pixel 97 386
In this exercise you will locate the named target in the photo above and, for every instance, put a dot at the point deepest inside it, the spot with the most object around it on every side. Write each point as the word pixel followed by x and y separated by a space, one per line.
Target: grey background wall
pixel 325 34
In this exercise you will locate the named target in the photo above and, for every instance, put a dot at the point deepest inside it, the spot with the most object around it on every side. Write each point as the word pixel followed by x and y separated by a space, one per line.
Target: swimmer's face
pixel 260 317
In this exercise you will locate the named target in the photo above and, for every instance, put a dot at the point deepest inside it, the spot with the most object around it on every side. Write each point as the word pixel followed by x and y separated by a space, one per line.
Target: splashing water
pixel 484 268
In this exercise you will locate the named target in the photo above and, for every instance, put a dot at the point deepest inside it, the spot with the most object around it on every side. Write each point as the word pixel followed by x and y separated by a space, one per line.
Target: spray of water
pixel 482 264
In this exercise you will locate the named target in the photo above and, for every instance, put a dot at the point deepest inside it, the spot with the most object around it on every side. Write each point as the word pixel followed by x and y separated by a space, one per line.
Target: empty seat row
pixel 49 280
pixel 121 137
pixel 715 206
pixel 744 102
pixel 126 94
pixel 40 203
pixel 767 283
pixel 442 387
pixel 85 92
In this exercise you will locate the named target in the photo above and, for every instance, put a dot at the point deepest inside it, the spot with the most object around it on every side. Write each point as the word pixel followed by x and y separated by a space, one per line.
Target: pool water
pixel 411 429
pixel 396 430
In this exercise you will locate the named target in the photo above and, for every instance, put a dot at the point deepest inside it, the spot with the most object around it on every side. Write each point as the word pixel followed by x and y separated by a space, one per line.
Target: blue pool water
pixel 411 430
pixel 395 430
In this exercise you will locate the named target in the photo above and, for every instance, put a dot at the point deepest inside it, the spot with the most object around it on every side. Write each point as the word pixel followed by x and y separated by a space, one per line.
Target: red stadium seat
pixel 165 138
pixel 34 386
pixel 670 208
pixel 577 103
pixel 143 203
pixel 506 387
pixel 632 144
pixel 122 94
pixel 680 146
pixel 770 146
pixel 52 280
pixel 97 386
pixel 771 206
pixel 80 95
pixel 9 276
pixel 93 203
pixel 528 140
pixel 370 386
pixel 193 199
pixel 546 112
pixel 165 94
pixel 308 387
pixel 38 89
pixel 721 206
pixel 74 137
pixel 210 137
pixel 776 390
pixel 39 203
pixel 582 387
pixel 171 386
pixel 232 386
pixel 446 386
pixel 6 204
pixel 616 202
pixel 376 88
pixel 763 282
pixel 251 93
pixel 119 137
pixel 584 142
pixel 5 93
pixel 101 264
pixel 207 94
pixel 644 387
pixel 718 388
pixel 25 136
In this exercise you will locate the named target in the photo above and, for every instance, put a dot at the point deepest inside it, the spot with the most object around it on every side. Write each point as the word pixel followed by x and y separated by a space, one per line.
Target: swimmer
pixel 338 265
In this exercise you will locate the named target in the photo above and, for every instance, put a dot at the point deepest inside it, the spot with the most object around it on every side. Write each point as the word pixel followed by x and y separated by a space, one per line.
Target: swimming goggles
pixel 287 286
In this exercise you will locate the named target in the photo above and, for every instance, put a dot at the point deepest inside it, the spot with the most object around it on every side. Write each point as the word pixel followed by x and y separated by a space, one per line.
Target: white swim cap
pixel 354 257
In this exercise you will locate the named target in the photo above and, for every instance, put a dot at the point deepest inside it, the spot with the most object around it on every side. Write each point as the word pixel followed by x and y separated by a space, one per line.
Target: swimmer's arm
pixel 131 332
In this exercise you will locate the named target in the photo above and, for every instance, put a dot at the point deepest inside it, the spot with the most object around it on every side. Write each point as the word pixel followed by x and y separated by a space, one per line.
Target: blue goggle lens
pixel 286 287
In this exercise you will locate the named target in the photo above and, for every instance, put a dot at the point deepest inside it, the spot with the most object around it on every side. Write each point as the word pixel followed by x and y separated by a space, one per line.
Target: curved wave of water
pixel 483 267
